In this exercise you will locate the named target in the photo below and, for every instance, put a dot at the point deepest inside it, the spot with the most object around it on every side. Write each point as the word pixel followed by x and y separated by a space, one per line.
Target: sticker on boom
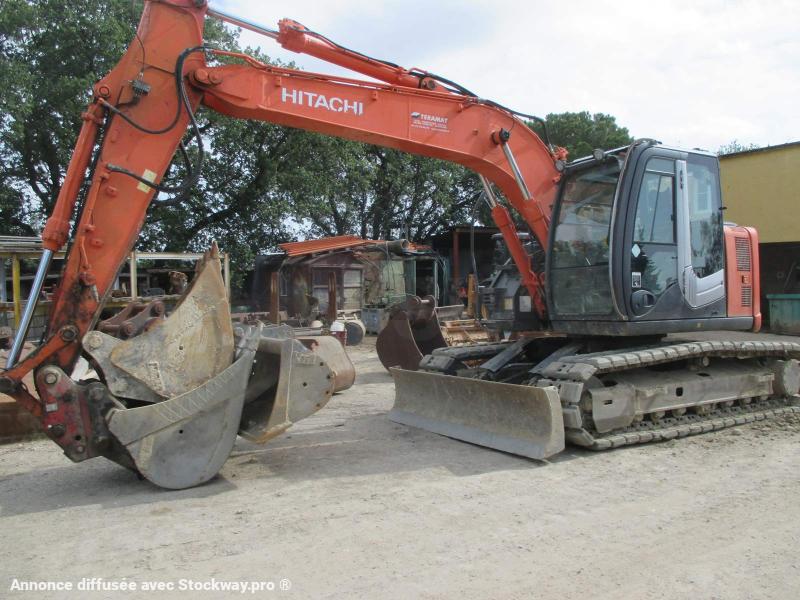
pixel 429 122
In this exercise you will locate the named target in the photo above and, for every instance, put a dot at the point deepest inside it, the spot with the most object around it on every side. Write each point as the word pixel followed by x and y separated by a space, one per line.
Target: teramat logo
pixel 421 120
pixel 312 100
pixel 429 118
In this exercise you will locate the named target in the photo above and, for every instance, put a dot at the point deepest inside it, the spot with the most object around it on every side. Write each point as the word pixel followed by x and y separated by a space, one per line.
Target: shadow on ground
pixel 341 446
pixel 369 445
pixel 93 482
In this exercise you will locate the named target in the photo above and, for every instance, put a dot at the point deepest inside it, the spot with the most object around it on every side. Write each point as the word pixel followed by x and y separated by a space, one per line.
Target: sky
pixel 695 74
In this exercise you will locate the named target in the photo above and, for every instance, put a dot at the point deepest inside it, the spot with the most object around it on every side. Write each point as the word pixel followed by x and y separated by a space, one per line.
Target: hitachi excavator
pixel 626 246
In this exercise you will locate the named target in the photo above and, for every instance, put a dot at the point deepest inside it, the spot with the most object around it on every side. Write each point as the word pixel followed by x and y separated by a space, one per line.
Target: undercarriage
pixel 598 399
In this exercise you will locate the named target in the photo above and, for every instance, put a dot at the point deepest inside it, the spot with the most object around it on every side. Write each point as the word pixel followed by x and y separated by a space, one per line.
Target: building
pixel 344 274
pixel 761 188
pixel 457 245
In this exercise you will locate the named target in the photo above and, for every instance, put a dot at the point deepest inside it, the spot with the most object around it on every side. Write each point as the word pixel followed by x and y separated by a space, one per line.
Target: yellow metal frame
pixel 16 279
pixel 16 275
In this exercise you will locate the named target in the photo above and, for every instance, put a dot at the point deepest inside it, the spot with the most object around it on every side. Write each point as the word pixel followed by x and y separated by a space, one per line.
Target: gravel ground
pixel 349 504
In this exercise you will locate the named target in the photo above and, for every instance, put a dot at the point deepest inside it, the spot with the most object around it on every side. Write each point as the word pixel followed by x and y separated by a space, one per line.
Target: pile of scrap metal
pixel 349 330
pixel 417 327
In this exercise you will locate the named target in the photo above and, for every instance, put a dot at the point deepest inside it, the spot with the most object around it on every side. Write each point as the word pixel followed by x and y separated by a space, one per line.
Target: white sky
pixel 690 73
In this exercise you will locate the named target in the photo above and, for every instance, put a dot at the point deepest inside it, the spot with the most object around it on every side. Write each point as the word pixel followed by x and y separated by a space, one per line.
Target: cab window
pixel 654 252
pixel 705 216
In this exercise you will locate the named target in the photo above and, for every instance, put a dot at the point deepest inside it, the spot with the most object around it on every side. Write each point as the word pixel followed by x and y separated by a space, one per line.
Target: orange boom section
pixel 442 125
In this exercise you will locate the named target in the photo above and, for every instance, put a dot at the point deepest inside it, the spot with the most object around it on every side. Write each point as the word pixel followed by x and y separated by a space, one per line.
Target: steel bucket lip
pixel 153 434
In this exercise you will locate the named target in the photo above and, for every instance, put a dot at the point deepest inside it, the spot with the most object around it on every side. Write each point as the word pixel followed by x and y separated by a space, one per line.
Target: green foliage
pixel 582 132
pixel 337 187
pixel 235 202
pixel 262 184
pixel 51 52
pixel 736 146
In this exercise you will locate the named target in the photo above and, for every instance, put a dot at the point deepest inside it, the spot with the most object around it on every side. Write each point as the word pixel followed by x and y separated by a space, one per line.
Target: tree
pixel 419 196
pixel 736 146
pixel 336 187
pixel 262 183
pixel 236 201
pixel 51 53
pixel 582 132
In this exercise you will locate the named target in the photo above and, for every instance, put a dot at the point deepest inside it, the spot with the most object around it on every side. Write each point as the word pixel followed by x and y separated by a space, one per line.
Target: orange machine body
pixel 140 114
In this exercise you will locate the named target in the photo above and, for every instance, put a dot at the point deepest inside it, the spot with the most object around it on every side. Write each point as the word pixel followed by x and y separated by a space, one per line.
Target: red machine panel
pixel 743 286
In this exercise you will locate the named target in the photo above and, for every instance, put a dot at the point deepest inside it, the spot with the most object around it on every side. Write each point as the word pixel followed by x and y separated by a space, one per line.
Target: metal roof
pixel 20 243
pixel 16 244
pixel 323 245
pixel 763 149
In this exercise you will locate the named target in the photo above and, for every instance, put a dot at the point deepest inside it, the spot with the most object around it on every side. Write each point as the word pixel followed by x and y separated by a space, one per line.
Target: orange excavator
pixel 625 246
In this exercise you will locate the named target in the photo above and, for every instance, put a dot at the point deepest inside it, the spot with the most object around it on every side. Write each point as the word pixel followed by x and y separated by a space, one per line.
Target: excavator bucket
pixel 522 420
pixel 417 327
pixel 412 331
pixel 184 441
pixel 187 385
pixel 290 382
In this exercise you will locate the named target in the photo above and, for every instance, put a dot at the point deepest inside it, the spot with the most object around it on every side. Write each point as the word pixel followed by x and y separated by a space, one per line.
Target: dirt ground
pixel 349 504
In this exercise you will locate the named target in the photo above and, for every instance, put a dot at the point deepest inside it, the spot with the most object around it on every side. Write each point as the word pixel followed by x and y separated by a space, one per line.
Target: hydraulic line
pixel 193 172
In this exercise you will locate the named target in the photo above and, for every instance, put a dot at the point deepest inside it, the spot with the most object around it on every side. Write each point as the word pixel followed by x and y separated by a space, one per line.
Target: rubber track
pixel 678 427
pixel 579 368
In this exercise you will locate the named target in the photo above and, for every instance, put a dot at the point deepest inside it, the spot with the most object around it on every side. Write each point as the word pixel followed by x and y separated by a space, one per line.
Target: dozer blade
pixel 519 419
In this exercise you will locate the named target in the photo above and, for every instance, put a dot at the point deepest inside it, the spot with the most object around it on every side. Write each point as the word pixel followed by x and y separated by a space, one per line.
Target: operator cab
pixel 638 246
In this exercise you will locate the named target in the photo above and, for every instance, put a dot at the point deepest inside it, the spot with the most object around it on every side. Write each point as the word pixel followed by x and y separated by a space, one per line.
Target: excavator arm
pixel 140 113
pixel 141 133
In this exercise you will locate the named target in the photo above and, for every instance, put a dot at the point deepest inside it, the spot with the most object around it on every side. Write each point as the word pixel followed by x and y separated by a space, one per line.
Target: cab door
pixel 700 231
pixel 653 257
